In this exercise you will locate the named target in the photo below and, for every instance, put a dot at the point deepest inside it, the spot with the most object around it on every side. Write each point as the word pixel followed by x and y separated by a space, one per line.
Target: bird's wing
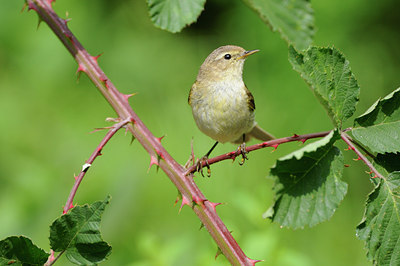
pixel 250 99
pixel 190 92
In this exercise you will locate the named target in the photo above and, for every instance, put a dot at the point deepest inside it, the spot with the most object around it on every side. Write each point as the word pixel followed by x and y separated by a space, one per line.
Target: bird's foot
pixel 242 150
pixel 199 166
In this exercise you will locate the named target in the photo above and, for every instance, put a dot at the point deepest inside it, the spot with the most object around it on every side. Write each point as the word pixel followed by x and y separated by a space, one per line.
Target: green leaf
pixel 379 127
pixel 380 227
pixel 328 73
pixel 294 19
pixel 307 184
pixel 19 250
pixel 77 233
pixel 174 15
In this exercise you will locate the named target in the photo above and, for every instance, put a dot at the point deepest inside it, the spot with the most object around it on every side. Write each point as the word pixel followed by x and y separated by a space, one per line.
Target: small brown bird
pixel 222 106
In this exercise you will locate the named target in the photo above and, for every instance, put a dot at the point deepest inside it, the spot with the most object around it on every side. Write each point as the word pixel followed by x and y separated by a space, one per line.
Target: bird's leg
pixel 242 151
pixel 199 163
pixel 212 148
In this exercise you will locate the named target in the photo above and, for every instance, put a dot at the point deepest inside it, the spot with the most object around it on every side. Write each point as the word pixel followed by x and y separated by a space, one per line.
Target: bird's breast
pixel 221 110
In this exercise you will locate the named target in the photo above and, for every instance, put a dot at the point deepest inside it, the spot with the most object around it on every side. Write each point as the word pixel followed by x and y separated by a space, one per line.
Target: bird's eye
pixel 227 56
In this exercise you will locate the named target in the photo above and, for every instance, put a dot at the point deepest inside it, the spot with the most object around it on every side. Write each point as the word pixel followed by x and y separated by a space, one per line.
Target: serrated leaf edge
pixel 375 104
pixel 364 219
pixel 102 204
pixel 166 28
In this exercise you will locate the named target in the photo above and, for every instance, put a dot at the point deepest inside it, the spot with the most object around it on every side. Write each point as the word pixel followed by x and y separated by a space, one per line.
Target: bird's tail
pixel 258 133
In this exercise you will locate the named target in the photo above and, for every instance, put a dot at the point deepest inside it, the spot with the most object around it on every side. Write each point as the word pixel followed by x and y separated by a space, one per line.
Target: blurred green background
pixel 47 116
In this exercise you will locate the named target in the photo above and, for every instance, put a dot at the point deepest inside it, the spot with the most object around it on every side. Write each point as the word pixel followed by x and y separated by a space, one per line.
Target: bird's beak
pixel 247 53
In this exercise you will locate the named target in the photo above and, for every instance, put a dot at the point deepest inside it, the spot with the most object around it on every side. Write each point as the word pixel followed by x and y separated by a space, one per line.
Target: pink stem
pixel 191 195
pixel 272 143
pixel 361 156
pixel 88 164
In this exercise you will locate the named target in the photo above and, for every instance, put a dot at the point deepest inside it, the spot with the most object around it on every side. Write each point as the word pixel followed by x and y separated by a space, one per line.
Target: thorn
pixel 31 6
pixel 75 177
pixel 153 161
pixel 349 148
pixel 253 262
pixel 346 165
pixel 115 120
pixel 23 7
pixel 295 135
pixel 81 68
pixel 232 155
pixel 127 96
pixel 132 139
pixel 178 198
pixel 50 1
pixel 219 252
pixel 197 200
pixel 214 205
pixel 68 34
pixel 201 226
pixel 160 138
pixel 70 207
pixel 126 132
pixel 99 129
pixel 375 176
pixel 160 155
pixel 99 149
pixel 370 172
pixel 39 21
pixel 358 159
pixel 184 202
pixel 303 140
pixel 275 147
pixel 96 57
pixel 67 20
pixel 188 164
pixel 104 80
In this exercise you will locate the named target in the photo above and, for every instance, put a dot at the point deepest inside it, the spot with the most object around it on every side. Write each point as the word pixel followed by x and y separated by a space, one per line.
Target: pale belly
pixel 223 115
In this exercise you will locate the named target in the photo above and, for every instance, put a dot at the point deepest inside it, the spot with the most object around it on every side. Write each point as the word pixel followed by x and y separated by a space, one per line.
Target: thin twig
pixel 273 143
pixel 360 155
pixel 56 258
pixel 86 166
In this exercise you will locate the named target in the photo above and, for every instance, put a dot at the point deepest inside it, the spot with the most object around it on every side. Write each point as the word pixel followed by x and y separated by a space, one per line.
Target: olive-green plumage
pixel 222 106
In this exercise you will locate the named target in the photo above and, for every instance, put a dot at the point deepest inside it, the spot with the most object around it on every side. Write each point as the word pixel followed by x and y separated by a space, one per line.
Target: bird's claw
pixel 242 150
pixel 199 166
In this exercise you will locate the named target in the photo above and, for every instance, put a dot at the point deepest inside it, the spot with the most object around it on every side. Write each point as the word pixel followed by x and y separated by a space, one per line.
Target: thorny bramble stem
pixel 272 143
pixel 86 166
pixel 346 138
pixel 191 194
